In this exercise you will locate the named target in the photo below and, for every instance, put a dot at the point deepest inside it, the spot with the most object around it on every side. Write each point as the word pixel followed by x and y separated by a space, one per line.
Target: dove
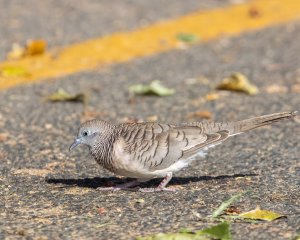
pixel 144 151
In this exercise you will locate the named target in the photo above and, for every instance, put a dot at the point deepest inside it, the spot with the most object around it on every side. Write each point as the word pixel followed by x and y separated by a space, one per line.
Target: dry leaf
pixel 35 47
pixel 154 88
pixel 232 210
pixel 101 210
pixel 140 200
pixel 259 214
pixel 62 96
pixel 238 82
pixel 226 204
pixel 254 12
pixel 13 71
pixel 212 96
pixel 200 114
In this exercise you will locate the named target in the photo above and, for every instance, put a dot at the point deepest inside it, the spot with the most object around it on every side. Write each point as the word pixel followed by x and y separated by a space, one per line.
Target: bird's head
pixel 91 132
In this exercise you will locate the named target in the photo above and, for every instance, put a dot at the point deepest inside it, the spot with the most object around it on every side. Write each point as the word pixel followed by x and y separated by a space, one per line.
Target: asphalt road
pixel 49 193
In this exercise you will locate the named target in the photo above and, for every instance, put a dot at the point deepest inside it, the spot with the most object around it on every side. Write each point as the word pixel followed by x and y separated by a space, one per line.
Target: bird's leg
pixel 161 186
pixel 122 186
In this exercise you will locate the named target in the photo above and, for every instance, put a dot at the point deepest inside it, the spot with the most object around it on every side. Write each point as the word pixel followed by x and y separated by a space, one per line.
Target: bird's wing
pixel 158 146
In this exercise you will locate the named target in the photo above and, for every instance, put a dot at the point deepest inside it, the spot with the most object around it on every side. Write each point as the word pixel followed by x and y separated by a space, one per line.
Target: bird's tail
pixel 248 124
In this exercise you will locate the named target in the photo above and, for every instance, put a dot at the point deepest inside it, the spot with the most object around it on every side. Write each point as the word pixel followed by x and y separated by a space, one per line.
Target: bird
pixel 148 150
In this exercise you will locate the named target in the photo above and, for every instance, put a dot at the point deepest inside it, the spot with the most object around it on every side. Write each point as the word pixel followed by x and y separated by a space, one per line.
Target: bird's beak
pixel 75 144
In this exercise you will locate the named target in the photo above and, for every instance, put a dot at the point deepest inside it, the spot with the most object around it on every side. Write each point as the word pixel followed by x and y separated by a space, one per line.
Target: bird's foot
pixel 161 187
pixel 124 186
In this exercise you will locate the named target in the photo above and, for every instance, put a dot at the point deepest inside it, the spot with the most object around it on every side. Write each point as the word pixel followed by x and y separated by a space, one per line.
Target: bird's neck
pixel 102 151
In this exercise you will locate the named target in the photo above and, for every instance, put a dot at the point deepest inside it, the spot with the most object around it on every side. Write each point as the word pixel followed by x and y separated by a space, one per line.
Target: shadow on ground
pixel 111 181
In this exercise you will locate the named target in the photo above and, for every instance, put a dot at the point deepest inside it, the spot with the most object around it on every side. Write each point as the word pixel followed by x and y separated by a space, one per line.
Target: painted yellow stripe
pixel 159 37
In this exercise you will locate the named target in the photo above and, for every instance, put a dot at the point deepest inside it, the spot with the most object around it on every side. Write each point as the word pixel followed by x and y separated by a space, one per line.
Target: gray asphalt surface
pixel 48 193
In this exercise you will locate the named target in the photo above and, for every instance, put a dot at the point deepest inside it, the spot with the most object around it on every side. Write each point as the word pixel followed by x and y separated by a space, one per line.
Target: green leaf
pixel 226 204
pixel 14 71
pixel 187 37
pixel 62 96
pixel 154 88
pixel 238 82
pixel 259 214
pixel 220 231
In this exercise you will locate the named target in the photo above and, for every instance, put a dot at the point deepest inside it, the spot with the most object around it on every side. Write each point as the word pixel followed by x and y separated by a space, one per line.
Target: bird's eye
pixel 85 133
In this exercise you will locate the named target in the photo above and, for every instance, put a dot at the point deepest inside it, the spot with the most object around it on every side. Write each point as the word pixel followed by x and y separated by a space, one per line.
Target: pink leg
pixel 161 186
pixel 118 187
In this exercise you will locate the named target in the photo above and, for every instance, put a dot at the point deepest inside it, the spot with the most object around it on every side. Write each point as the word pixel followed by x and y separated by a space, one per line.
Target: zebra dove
pixel 151 150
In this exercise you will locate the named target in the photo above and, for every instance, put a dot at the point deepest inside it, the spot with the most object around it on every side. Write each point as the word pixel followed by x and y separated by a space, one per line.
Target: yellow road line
pixel 156 38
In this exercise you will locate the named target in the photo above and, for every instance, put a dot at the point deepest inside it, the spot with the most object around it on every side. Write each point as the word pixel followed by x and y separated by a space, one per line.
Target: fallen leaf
pixel 232 210
pixel 226 204
pixel 62 96
pixel 35 47
pixel 200 114
pixel 16 52
pixel 220 231
pixel 154 88
pixel 238 82
pixel 212 96
pixel 101 210
pixel 276 89
pixel 258 214
pixel 140 200
pixel 254 12
pixel 187 37
pixel 14 71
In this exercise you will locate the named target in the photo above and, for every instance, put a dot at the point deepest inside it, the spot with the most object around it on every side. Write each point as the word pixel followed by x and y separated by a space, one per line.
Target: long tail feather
pixel 248 124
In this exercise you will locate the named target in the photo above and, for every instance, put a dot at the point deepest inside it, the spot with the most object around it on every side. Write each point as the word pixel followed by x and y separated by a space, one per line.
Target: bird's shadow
pixel 111 181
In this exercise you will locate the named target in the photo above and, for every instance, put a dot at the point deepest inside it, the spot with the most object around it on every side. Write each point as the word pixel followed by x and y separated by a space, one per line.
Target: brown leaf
pixel 212 96
pixel 35 47
pixel 254 12
pixel 101 210
pixel 200 114
pixel 232 210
